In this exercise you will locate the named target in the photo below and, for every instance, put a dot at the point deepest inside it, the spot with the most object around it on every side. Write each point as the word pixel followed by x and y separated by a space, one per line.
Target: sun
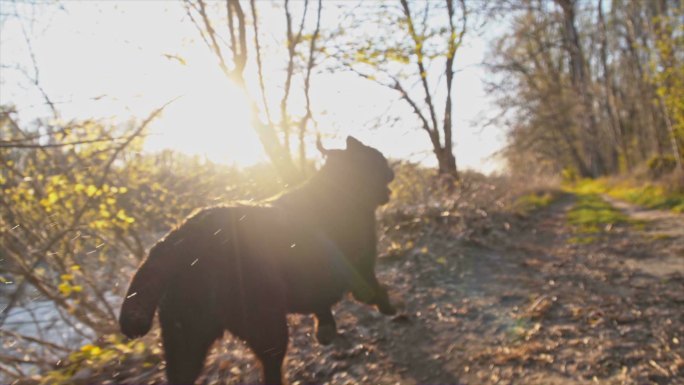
pixel 211 118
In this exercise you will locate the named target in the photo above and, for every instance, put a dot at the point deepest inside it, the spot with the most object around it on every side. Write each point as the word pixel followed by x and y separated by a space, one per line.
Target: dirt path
pixel 518 306
pixel 666 229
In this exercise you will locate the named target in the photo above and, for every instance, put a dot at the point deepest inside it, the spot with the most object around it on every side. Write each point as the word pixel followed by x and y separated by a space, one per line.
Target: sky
pixel 115 60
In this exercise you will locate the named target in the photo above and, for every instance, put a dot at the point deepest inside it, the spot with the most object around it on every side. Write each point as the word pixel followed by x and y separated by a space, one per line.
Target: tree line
pixel 591 87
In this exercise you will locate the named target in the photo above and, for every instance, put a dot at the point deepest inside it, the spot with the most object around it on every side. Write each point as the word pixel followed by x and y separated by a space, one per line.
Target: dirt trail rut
pixel 665 228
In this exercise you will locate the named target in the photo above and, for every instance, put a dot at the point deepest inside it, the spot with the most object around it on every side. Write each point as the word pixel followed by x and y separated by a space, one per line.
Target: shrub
pixel 659 166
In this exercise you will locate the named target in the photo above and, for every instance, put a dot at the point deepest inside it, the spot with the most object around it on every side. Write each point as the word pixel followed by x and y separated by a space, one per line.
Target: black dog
pixel 243 268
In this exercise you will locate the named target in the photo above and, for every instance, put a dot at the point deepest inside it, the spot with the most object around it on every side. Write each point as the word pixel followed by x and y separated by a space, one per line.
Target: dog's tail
pixel 148 286
pixel 165 262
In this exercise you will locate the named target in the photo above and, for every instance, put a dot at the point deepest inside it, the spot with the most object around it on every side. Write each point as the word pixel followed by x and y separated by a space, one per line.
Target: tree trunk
pixel 619 148
pixel 446 162
pixel 580 80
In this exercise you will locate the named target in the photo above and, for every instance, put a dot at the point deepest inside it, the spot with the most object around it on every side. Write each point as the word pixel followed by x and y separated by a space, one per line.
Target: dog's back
pixel 227 253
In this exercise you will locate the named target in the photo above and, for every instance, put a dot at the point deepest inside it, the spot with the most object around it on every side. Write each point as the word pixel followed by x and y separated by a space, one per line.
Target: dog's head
pixel 359 170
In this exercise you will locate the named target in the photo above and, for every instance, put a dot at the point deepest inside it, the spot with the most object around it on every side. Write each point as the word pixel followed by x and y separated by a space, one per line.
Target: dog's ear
pixel 319 145
pixel 353 143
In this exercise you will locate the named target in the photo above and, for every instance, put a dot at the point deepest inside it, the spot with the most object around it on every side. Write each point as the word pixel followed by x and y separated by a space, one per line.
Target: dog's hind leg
pixel 187 340
pixel 268 340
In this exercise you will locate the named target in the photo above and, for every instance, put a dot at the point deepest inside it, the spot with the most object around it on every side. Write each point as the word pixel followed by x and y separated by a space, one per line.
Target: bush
pixel 659 166
pixel 569 175
pixel 76 220
pixel 533 201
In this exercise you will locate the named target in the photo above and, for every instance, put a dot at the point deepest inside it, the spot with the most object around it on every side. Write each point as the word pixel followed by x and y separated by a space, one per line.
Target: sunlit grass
pixel 582 240
pixel 591 216
pixel 647 195
pixel 650 196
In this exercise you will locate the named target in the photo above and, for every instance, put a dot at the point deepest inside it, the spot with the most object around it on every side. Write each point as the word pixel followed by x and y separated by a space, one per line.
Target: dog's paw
pixel 386 308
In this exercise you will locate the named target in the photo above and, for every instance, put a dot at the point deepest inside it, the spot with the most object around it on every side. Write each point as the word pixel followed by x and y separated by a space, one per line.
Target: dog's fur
pixel 243 268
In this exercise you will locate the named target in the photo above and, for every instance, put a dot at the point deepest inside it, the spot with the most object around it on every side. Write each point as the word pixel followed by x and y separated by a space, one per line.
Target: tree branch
pixel 260 74
pixel 212 35
pixel 419 61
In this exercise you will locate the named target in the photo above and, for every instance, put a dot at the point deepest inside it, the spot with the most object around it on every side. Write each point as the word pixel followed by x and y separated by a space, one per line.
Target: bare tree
pixel 276 138
pixel 591 86
pixel 411 39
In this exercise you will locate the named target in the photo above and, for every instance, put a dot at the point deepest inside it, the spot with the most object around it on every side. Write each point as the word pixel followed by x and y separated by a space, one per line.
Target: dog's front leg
pixel 382 301
pixel 371 292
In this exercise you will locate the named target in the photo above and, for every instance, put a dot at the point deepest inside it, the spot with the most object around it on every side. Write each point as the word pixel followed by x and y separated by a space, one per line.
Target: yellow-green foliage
pixel 648 195
pixel 668 73
pixel 533 201
pixel 104 358
pixel 661 165
pixel 587 186
pixel 569 175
